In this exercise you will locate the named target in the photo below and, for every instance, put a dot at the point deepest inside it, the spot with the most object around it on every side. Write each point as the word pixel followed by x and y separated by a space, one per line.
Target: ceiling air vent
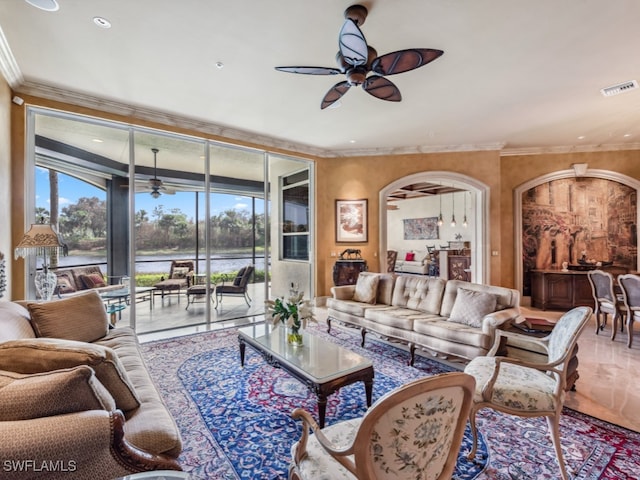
pixel 620 88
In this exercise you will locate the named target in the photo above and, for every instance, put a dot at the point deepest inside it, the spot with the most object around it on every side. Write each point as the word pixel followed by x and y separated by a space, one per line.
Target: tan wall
pixel 364 177
pixel 5 181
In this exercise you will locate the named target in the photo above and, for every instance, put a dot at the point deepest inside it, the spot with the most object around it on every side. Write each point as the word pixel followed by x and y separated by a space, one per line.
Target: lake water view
pixel 162 263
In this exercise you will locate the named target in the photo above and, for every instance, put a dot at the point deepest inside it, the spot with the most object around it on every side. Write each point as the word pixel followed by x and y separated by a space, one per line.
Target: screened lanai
pixel 133 199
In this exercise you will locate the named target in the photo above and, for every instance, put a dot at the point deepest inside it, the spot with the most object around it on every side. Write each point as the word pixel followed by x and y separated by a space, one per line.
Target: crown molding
pixel 507 152
pixel 364 152
pixel 8 65
pixel 111 106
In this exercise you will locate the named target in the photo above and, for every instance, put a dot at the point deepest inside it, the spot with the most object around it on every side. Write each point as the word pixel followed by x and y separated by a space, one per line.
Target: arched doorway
pixel 479 210
pixel 546 179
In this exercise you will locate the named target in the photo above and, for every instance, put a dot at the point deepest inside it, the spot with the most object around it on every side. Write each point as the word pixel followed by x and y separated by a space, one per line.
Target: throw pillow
pixel 366 288
pixel 66 283
pixel 51 393
pixel 80 317
pixel 93 280
pixel 180 272
pixel 39 355
pixel 409 256
pixel 471 306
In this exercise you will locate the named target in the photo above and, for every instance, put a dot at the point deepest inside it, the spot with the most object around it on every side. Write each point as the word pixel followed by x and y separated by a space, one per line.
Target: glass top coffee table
pixel 322 366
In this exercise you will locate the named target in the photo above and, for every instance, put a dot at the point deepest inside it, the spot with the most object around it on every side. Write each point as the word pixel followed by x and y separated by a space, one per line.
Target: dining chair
pixel 414 431
pixel 528 389
pixel 392 256
pixel 606 301
pixel 630 286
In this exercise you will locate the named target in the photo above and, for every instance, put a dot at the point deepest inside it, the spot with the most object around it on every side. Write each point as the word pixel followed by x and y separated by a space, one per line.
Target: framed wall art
pixel 351 221
pixel 421 228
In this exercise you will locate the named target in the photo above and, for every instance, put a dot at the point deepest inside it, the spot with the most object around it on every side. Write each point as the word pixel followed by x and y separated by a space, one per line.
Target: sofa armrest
pixel 87 444
pixel 496 319
pixel 343 292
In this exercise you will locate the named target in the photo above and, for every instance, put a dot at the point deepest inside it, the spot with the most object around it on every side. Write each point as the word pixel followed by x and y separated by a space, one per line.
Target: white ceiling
pixel 516 75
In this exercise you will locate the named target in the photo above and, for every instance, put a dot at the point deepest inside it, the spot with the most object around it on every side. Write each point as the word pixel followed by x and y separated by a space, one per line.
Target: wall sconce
pixel 42 239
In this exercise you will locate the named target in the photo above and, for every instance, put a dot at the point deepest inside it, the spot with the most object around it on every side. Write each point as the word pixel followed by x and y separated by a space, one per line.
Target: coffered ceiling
pixel 516 75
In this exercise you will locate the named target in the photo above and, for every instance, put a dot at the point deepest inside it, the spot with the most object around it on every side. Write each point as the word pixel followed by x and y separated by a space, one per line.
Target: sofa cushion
pixel 471 306
pixel 14 322
pixel 150 427
pixel 51 393
pixel 410 256
pixel 79 317
pixel 93 280
pixel 79 272
pixel 445 331
pixel 396 316
pixel 418 293
pixel 348 306
pixel 366 288
pixel 46 354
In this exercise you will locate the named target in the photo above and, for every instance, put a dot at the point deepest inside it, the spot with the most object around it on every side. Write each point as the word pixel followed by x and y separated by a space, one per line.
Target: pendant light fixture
pixel 453 210
pixel 440 220
pixel 465 224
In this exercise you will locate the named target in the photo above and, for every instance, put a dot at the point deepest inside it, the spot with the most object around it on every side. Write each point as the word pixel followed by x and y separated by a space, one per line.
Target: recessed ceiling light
pixel 47 5
pixel 581 137
pixel 627 135
pixel 352 141
pixel 219 65
pixel 102 22
pixel 97 140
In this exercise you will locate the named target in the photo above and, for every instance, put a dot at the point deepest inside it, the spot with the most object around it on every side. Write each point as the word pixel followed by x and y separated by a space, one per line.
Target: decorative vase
pixel 294 336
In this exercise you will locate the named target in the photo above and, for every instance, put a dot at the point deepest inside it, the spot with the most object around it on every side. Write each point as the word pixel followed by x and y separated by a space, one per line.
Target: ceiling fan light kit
pixel 155 183
pixel 356 60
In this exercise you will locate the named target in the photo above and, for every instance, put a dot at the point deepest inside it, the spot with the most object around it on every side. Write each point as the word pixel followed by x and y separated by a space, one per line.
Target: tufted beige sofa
pixel 76 400
pixel 452 319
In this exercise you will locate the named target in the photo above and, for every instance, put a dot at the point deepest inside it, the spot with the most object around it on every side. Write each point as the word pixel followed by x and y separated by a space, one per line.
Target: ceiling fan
pixel 356 60
pixel 155 184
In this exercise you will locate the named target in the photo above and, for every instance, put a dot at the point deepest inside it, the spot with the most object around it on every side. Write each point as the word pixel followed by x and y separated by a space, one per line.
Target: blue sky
pixel 71 189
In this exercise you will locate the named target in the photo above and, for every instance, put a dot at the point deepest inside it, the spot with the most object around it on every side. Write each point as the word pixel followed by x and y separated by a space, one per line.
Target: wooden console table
pixel 345 272
pixel 558 290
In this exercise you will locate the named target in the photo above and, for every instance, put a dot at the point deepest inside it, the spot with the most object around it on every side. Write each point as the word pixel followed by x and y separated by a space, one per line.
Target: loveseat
pixel 76 400
pixel 451 319
pixel 78 279
pixel 415 261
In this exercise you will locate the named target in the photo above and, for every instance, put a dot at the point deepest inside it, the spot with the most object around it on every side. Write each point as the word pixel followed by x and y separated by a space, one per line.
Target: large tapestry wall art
pixel 421 228
pixel 580 219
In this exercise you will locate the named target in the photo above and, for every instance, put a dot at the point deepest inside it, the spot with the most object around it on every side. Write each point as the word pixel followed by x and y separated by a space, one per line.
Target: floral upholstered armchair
pixel 412 432
pixel 529 389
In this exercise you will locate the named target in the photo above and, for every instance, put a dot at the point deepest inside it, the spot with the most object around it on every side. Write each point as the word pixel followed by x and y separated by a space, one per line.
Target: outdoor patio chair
pixel 527 389
pixel 414 431
pixel 179 277
pixel 606 301
pixel 237 287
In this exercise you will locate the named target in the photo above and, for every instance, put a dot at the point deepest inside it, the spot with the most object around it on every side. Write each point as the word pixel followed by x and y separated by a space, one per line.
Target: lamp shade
pixel 41 237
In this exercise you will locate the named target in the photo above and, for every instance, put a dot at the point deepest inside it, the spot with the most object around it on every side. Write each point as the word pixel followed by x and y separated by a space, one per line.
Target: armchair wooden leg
pixel 554 430
pixel 614 326
pixel 474 433
pixel 629 330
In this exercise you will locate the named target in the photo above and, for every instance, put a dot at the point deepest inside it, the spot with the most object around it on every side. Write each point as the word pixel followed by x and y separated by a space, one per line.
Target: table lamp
pixel 41 239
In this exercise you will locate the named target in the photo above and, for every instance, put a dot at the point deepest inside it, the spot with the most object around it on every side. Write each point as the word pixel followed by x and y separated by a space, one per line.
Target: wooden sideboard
pixel 558 290
pixel 345 272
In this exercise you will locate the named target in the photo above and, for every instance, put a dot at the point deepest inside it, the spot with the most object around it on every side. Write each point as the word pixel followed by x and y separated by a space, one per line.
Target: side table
pixel 523 350
pixel 345 272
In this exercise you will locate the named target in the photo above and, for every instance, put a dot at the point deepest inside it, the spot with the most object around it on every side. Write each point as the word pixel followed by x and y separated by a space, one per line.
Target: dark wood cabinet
pixel 459 267
pixel 558 290
pixel 345 272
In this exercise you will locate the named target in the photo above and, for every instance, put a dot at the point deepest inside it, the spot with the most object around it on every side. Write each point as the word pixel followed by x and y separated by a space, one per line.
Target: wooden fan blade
pixel 404 60
pixel 353 45
pixel 334 94
pixel 310 70
pixel 381 88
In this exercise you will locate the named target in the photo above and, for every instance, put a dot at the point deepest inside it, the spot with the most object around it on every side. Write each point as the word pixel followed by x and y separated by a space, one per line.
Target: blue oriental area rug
pixel 235 422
